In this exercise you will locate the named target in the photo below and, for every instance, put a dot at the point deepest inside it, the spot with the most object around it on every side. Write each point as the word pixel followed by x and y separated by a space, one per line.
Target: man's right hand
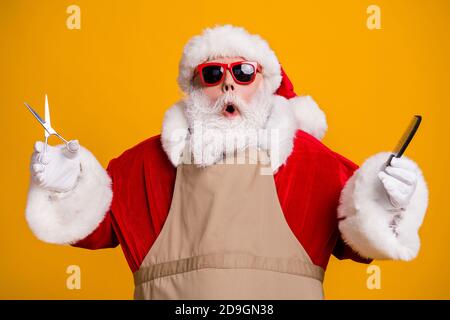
pixel 58 169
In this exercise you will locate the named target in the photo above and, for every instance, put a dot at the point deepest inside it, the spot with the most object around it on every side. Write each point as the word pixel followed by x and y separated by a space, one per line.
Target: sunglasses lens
pixel 244 72
pixel 212 74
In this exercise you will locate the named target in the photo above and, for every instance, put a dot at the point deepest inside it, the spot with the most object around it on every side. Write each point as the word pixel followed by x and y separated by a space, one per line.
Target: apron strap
pixel 224 261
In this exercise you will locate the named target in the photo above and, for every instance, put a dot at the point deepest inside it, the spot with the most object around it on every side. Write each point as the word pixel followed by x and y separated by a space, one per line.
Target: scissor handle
pixel 73 146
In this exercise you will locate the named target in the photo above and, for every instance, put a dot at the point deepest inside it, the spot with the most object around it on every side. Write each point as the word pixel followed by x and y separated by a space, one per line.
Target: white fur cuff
pixel 370 225
pixel 65 218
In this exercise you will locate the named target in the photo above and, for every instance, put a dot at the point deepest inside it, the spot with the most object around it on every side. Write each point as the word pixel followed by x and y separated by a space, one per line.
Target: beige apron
pixel 226 237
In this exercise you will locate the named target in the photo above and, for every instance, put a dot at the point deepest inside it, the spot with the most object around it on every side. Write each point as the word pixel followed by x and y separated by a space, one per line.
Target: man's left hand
pixel 400 181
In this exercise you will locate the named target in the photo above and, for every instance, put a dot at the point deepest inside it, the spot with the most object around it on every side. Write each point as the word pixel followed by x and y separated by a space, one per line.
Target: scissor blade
pixel 47 116
pixel 36 115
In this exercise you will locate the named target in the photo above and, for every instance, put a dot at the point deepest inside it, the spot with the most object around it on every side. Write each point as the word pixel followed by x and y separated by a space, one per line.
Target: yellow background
pixel 110 83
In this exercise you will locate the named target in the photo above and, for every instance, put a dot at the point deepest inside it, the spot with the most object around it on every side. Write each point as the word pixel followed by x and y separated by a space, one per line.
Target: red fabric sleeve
pixel 103 236
pixel 341 249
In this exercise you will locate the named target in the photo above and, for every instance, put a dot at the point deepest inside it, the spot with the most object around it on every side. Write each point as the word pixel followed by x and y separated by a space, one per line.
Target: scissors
pixel 49 131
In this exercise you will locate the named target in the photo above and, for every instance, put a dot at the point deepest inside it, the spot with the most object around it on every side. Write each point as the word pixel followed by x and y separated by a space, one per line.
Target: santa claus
pixel 237 198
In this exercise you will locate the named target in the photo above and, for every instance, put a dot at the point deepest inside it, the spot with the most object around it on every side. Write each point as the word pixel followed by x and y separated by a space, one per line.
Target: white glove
pixel 400 181
pixel 58 169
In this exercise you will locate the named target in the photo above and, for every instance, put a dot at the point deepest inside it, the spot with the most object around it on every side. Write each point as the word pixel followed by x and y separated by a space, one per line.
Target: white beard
pixel 212 136
pixel 269 122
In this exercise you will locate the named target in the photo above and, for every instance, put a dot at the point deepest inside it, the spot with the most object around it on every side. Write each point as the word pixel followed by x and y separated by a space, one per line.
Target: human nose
pixel 228 83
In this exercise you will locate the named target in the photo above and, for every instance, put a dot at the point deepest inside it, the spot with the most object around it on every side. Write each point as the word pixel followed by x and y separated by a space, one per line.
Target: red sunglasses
pixel 243 72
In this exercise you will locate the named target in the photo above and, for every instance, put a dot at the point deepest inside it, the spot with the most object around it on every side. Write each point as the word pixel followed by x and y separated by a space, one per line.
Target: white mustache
pixel 226 99
pixel 252 114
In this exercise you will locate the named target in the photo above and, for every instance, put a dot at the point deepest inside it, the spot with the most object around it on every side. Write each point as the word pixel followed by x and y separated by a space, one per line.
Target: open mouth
pixel 230 111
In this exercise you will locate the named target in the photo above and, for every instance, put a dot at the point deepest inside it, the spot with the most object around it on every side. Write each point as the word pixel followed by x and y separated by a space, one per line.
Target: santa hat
pixel 231 41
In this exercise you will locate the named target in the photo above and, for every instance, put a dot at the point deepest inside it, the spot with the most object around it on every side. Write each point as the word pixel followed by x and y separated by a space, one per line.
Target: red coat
pixel 308 187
